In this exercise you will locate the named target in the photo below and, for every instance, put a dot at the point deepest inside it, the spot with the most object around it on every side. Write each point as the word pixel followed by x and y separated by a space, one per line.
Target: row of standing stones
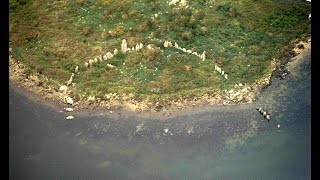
pixel 202 56
pixel 264 113
pixel 125 49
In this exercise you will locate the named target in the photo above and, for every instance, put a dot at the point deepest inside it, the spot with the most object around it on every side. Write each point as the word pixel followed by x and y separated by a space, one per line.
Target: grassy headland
pixel 242 37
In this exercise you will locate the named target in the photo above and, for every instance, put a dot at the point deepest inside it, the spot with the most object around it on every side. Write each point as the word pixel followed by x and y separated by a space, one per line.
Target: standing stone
pixel 170 44
pixel 184 50
pixel 91 62
pixel 115 52
pixel 76 70
pixel 176 45
pixel 109 55
pixel 189 51
pixel 124 46
pixel 95 60
pixel 204 55
pixel 226 76
pixel 70 81
pixel 105 57
pixel 222 72
pixel 100 58
pixel 86 65
pixel 165 44
pixel 137 47
pixel 132 48
pixel 141 45
pixel 219 69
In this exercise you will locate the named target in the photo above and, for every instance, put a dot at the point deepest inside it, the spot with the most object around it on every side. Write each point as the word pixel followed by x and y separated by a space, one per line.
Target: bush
pixel 187 36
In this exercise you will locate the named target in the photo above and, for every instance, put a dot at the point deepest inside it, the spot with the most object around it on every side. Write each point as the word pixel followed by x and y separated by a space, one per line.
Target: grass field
pixel 241 36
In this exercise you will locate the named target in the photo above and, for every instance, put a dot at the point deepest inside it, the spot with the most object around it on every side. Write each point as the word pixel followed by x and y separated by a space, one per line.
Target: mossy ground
pixel 53 37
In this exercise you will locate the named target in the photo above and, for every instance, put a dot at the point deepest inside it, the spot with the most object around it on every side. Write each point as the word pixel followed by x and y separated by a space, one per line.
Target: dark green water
pixel 221 143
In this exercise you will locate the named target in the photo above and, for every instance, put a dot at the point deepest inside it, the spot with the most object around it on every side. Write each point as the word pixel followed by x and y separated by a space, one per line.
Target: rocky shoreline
pixel 116 105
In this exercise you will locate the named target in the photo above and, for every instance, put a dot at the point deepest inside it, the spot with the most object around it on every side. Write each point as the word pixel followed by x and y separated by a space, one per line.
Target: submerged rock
pixel 268 117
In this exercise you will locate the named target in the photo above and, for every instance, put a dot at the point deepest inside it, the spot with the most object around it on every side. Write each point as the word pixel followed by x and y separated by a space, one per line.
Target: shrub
pixel 151 56
pixel 187 35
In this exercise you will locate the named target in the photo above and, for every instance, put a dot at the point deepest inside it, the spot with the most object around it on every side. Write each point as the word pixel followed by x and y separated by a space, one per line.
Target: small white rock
pixel 69 117
pixel 166 130
pixel 278 125
pixel 68 109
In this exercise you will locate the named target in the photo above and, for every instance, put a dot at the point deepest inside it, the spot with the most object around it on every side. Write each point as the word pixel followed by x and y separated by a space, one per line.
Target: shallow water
pixel 223 143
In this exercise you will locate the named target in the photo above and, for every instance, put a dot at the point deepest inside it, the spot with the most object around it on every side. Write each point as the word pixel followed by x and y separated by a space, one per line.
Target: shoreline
pixel 36 88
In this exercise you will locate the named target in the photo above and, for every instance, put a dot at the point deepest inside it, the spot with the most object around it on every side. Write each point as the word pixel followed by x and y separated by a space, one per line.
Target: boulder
pixel 68 100
pixel 105 57
pixel 63 88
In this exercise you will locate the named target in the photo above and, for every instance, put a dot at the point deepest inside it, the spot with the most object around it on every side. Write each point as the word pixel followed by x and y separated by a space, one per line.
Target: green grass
pixel 52 37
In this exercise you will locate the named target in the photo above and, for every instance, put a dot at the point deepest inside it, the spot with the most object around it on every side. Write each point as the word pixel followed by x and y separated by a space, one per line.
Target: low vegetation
pixel 52 37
